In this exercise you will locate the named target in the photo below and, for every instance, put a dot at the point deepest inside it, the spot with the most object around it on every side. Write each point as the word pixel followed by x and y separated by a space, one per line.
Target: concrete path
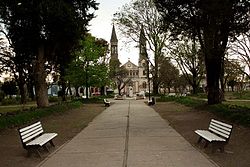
pixel 127 134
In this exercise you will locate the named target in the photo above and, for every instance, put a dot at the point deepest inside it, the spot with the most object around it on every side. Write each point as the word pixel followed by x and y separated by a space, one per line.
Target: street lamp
pixel 149 77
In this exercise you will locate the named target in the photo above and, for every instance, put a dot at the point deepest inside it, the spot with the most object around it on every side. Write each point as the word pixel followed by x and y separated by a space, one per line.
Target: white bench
pixel 218 134
pixel 33 137
pixel 106 102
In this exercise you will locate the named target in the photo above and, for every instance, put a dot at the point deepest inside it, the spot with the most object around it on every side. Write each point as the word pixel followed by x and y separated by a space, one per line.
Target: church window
pixel 144 72
pixel 144 85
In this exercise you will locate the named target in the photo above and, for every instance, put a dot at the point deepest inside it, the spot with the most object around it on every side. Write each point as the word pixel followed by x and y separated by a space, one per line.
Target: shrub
pixel 53 99
pixel 11 101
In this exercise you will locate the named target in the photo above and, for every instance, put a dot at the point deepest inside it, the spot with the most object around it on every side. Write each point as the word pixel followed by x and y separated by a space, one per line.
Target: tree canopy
pixel 44 31
pixel 89 67
pixel 213 22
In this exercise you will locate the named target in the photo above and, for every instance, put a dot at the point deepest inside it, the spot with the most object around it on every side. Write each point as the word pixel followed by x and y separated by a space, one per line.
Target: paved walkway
pixel 127 134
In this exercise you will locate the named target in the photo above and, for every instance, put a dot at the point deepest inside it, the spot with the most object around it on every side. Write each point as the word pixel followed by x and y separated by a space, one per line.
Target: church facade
pixel 138 74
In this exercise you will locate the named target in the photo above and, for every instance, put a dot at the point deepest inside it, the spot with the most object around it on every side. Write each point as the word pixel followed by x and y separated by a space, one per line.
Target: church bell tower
pixel 114 45
pixel 142 48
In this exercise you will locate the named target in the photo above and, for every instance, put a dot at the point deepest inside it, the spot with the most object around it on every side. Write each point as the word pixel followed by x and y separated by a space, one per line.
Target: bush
pixel 188 101
pixel 53 99
pixel 237 114
pixel 242 95
pixel 1 95
pixel 11 101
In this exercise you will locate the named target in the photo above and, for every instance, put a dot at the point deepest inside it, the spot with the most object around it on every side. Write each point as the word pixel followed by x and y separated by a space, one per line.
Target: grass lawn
pixel 238 103
pixel 11 108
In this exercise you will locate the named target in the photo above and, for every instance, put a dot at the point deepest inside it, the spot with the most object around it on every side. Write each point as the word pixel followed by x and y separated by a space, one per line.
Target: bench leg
pixel 206 144
pixel 46 148
pixel 51 143
pixel 218 145
pixel 35 150
pixel 199 140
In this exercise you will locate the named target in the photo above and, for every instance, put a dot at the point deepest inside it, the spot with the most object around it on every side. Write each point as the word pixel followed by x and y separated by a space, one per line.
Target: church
pixel 138 74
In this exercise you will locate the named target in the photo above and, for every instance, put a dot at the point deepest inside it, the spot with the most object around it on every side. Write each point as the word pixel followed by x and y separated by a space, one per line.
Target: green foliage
pixel 199 95
pixel 50 29
pixel 188 101
pixel 9 87
pixel 53 99
pixel 22 117
pixel 2 95
pixel 169 74
pixel 242 95
pixel 213 22
pixel 11 101
pixel 190 60
pixel 89 64
pixel 235 113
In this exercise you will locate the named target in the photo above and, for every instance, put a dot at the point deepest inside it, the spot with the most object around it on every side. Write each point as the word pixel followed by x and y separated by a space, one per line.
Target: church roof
pixel 113 35
pixel 129 64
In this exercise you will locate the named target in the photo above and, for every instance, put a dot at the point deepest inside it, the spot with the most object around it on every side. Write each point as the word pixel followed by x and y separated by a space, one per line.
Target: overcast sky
pixel 101 27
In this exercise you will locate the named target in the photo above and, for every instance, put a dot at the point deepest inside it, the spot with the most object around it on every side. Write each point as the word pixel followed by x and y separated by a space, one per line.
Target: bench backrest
pixel 30 132
pixel 220 128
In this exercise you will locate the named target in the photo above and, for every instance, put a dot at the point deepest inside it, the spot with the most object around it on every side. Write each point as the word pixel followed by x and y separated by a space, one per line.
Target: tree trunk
pixel 77 93
pixel 40 79
pixel 213 67
pixel 103 90
pixel 21 85
pixel 63 83
pixel 214 50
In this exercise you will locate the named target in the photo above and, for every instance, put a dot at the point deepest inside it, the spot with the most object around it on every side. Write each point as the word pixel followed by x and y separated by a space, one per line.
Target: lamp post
pixel 149 77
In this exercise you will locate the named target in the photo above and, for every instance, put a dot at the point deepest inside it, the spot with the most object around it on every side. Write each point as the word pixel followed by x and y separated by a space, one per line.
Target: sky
pixel 101 27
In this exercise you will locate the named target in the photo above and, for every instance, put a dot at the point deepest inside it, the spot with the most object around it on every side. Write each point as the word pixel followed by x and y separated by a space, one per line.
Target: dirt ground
pixel 66 124
pixel 184 119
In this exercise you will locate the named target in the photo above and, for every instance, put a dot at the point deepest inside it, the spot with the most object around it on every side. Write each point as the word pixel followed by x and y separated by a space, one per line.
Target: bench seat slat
pixel 219 131
pixel 35 131
pixel 209 136
pixel 31 130
pixel 220 127
pixel 30 126
pixel 43 139
pixel 221 123
pixel 34 135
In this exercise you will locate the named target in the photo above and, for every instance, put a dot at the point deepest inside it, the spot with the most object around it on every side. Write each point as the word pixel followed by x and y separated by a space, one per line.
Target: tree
pixel 118 74
pixel 232 70
pixel 189 58
pixel 89 68
pixel 213 22
pixel 9 88
pixel 130 20
pixel 241 48
pixel 168 74
pixel 43 31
